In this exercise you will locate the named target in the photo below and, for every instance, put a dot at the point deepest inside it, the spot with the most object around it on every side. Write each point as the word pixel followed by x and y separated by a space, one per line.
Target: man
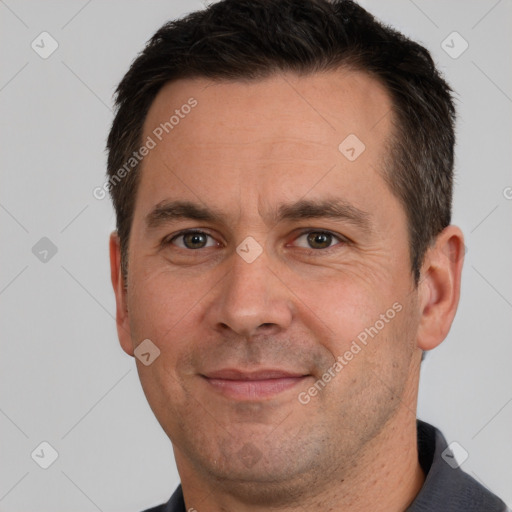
pixel 281 172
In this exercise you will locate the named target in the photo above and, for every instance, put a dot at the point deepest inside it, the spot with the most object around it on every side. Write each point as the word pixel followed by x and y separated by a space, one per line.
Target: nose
pixel 251 300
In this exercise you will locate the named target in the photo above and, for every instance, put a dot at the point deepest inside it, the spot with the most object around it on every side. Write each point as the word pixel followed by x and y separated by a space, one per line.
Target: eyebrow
pixel 336 209
pixel 167 211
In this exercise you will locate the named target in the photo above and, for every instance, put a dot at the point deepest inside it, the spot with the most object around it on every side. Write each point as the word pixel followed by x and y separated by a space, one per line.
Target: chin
pixel 264 486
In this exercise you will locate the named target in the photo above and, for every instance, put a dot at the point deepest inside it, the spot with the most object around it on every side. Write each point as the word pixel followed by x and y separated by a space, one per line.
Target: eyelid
pixel 342 239
pixel 168 240
pixel 305 231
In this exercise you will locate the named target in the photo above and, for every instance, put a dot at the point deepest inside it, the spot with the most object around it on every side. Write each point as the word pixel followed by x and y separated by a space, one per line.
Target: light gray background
pixel 64 378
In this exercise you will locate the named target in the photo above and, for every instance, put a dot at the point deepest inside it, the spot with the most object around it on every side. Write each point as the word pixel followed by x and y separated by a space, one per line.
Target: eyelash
pixel 168 240
pixel 343 240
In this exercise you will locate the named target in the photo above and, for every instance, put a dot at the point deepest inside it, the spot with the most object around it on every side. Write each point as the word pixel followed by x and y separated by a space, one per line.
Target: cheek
pixel 347 307
pixel 167 319
pixel 160 301
pixel 366 316
pixel 164 310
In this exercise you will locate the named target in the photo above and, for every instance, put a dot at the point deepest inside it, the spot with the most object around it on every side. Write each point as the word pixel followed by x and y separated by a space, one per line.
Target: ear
pixel 439 287
pixel 122 317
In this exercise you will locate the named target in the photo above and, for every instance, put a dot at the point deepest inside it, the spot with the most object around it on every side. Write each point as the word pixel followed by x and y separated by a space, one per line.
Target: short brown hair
pixel 251 39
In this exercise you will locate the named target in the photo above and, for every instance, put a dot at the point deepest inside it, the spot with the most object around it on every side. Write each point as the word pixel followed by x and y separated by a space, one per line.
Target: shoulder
pixel 175 503
pixel 447 487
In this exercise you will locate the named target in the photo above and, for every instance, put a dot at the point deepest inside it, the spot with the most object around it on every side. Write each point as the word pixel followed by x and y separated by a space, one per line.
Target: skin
pixel 246 148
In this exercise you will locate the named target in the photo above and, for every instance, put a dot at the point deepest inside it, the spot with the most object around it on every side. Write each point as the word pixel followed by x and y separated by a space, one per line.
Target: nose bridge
pixel 251 296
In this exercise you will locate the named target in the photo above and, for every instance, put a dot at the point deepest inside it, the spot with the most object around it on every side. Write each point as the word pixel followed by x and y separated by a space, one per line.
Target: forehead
pixel 281 134
pixel 324 103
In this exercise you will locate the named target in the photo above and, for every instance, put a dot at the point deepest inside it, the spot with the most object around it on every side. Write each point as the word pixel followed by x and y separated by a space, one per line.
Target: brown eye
pixel 317 240
pixel 193 240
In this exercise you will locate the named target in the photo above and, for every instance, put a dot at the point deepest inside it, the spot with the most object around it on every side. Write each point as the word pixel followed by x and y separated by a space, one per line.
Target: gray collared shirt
pixel 446 488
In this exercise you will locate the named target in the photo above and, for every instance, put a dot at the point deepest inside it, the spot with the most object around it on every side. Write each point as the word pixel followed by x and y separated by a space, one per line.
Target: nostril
pixel 266 326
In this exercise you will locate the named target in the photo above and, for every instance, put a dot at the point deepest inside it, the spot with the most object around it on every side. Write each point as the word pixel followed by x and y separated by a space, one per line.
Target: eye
pixel 192 240
pixel 317 240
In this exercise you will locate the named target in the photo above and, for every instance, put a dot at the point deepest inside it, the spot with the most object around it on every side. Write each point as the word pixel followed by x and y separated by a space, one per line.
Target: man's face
pixel 273 289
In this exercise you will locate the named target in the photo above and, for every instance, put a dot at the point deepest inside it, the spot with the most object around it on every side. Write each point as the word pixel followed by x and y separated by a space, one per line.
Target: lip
pixel 253 385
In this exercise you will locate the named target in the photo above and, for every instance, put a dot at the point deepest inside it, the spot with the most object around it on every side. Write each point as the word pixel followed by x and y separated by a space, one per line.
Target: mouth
pixel 255 385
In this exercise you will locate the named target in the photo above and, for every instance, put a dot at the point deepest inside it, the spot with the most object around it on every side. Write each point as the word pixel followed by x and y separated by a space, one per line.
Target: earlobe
pixel 122 315
pixel 439 287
